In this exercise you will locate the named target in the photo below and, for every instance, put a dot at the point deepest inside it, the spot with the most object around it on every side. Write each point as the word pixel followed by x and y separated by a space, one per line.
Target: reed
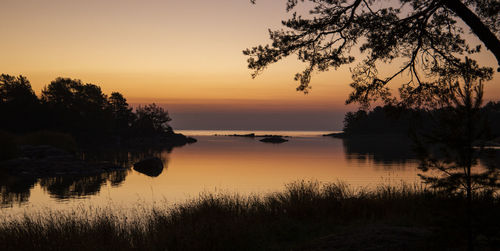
pixel 305 215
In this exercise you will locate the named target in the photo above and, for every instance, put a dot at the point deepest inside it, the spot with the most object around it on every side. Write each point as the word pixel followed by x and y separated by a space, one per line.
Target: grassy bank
pixel 304 216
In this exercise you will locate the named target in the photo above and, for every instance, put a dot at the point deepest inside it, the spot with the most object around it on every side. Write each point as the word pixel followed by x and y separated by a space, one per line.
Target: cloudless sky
pixel 184 55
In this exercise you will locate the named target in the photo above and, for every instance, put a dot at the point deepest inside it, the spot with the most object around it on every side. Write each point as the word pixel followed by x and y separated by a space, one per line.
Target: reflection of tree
pixel 126 158
pixel 383 150
pixel 490 158
pixel 64 187
pixel 116 157
pixel 117 178
pixel 15 189
pixel 453 147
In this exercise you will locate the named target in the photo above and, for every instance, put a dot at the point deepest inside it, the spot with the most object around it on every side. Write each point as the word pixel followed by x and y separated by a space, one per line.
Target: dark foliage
pixel 380 121
pixel 152 120
pixel 424 35
pixel 394 120
pixel 19 106
pixel 123 117
pixel 81 110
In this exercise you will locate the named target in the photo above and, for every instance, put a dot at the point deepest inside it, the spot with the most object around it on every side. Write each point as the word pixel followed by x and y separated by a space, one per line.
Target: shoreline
pixel 45 160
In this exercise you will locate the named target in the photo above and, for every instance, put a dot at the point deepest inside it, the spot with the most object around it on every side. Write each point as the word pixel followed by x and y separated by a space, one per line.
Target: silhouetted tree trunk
pixel 477 26
pixel 468 173
pixel 450 146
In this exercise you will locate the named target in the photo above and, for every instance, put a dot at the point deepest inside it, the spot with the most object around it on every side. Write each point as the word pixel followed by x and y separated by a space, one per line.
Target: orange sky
pixel 183 54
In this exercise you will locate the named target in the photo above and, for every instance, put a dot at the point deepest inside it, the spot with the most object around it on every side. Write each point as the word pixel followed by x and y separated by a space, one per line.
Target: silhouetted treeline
pixel 82 110
pixel 399 120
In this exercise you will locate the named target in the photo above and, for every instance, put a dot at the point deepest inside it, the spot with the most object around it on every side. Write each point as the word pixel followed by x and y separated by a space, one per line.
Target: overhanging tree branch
pixel 415 29
pixel 477 26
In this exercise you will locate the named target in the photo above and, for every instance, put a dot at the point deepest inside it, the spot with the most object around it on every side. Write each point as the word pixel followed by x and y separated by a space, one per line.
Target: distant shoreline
pixel 260 133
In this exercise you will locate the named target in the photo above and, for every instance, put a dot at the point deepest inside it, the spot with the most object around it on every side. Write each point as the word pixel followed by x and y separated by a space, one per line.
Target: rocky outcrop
pixel 151 167
pixel 274 139
pixel 339 135
pixel 44 160
pixel 159 141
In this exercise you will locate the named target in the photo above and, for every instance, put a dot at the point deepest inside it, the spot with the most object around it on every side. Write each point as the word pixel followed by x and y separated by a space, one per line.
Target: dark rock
pixel 274 139
pixel 162 141
pixel 271 135
pixel 250 135
pixel 150 167
pixel 191 140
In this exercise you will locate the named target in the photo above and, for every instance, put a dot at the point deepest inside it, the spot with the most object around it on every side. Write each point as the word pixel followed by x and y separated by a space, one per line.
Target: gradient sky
pixel 184 55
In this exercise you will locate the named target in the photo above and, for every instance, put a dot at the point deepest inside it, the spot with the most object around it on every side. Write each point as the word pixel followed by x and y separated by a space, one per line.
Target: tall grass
pixel 306 215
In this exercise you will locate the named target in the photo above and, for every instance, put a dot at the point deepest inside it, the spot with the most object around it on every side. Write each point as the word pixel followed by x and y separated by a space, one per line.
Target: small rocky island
pixel 274 139
pixel 266 138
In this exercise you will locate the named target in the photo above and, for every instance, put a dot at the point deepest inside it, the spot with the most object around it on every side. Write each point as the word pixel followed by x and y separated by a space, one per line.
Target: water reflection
pixel 65 187
pixel 16 189
pixel 126 158
pixel 242 165
pixel 385 151
pixel 491 159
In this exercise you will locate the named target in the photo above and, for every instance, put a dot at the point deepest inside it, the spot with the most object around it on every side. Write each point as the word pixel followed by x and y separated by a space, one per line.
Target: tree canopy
pixel 426 35
pixel 83 110
pixel 18 104
pixel 152 119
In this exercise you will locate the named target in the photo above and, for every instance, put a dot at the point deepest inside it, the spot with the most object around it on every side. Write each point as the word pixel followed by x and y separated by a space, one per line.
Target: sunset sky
pixel 184 55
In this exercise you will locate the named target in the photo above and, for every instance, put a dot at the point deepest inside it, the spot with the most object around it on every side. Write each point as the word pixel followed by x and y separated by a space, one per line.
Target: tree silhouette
pixel 427 37
pixel 425 34
pixel 459 132
pixel 122 113
pixel 16 90
pixel 19 106
pixel 458 136
pixel 76 107
pixel 152 119
pixel 386 120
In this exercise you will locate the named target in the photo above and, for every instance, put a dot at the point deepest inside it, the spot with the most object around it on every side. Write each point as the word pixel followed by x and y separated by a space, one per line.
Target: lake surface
pixel 222 164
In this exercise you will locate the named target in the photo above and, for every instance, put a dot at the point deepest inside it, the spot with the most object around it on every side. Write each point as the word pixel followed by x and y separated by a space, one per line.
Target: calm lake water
pixel 222 164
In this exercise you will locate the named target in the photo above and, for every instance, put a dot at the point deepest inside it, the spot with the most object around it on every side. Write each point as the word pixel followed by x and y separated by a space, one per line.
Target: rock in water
pixel 274 139
pixel 151 167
